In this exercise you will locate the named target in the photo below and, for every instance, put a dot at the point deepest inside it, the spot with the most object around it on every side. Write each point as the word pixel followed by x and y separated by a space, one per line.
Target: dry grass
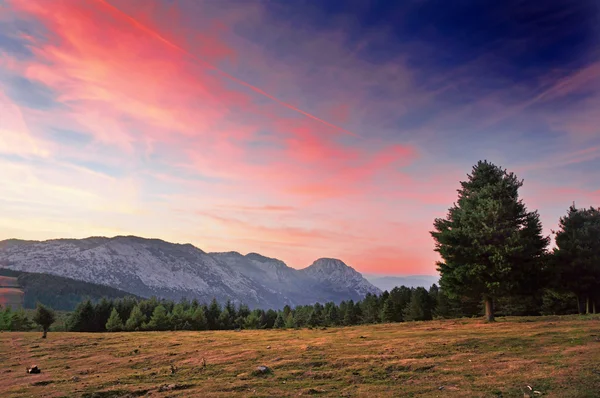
pixel 558 356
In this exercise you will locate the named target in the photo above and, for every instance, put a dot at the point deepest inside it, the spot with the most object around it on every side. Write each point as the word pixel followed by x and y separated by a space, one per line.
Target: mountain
pixel 147 267
pixel 388 282
pixel 59 293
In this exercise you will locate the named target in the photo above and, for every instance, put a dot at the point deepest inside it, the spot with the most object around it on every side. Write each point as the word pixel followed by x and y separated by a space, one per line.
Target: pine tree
pixel 225 320
pixel 213 314
pixel 370 309
pixel 490 244
pixel 114 323
pixel 442 307
pixel 198 319
pixel 178 316
pixel 388 313
pixel 279 321
pixel 577 255
pixel 83 318
pixel 333 315
pixel 5 318
pixel 20 322
pixel 44 317
pixel 350 316
pixel 159 319
pixel 136 319
pixel 252 321
pixel 270 317
pixel 102 311
pixel 289 321
pixel 419 308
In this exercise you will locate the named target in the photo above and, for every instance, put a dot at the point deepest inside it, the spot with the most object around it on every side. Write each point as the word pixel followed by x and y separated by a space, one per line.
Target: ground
pixel 556 356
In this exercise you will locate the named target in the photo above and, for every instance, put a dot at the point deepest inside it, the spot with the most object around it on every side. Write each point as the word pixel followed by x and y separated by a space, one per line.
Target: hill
pixel 557 356
pixel 147 267
pixel 62 294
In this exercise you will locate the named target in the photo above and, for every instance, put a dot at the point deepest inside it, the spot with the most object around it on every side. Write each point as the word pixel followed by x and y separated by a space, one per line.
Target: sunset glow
pixel 235 126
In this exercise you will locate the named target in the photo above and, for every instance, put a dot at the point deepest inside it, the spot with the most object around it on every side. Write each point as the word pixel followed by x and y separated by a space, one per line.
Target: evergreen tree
pixel 159 319
pixel 270 317
pixel 419 307
pixel 433 297
pixel 350 316
pixel 179 316
pixel 5 318
pixel 333 314
pixel 20 322
pixel 225 320
pixel 279 321
pixel 198 319
pixel 442 307
pixel 83 318
pixel 490 244
pixel 314 319
pixel 400 296
pixel 136 319
pixel 252 321
pixel 213 314
pixel 44 317
pixel 577 255
pixel 289 321
pixel 286 311
pixel 114 322
pixel 102 311
pixel 370 309
pixel 388 313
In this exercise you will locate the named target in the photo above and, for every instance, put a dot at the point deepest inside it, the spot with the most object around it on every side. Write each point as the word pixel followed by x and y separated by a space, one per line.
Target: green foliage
pixel 6 319
pixel 279 321
pixel 389 312
pixel 83 318
pixel 159 320
pixel 114 323
pixel 490 244
pixel 198 319
pixel 212 315
pixel 136 319
pixel 419 307
pixel 44 317
pixel 577 254
pixel 20 321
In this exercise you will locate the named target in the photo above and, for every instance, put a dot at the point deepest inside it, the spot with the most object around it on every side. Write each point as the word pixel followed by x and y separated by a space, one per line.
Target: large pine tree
pixel 490 245
pixel 577 255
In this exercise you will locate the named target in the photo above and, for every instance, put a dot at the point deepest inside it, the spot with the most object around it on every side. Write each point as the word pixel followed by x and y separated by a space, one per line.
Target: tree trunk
pixel 587 305
pixel 489 309
pixel 44 335
pixel 594 307
pixel 578 305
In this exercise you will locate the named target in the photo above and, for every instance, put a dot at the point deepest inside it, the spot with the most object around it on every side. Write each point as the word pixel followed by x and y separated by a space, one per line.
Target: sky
pixel 295 129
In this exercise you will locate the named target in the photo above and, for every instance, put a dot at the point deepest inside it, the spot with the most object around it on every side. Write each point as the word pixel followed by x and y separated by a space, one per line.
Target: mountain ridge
pixel 151 266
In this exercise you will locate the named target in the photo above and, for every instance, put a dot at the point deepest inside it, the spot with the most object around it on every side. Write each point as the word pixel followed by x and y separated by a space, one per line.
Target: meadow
pixel 552 356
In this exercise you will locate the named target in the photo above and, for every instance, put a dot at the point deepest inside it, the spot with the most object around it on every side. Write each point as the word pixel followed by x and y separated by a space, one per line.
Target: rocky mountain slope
pixel 147 267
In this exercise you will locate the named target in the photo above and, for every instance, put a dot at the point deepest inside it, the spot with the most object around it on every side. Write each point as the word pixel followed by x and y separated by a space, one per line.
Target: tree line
pixel 401 304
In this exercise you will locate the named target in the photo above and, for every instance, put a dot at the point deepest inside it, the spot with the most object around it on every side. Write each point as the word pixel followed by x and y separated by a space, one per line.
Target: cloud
pixel 230 127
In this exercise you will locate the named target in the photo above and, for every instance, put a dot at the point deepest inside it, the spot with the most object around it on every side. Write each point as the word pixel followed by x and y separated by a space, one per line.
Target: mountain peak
pixel 154 267
pixel 337 273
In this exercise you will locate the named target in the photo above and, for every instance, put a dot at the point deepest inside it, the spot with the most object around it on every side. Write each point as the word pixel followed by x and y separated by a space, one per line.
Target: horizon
pixel 294 130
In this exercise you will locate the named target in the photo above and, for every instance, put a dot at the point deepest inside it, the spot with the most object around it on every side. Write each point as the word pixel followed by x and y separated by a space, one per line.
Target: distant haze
pixel 388 282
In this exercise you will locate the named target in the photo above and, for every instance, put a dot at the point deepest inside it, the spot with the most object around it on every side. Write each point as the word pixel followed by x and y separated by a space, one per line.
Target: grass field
pixel 557 356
